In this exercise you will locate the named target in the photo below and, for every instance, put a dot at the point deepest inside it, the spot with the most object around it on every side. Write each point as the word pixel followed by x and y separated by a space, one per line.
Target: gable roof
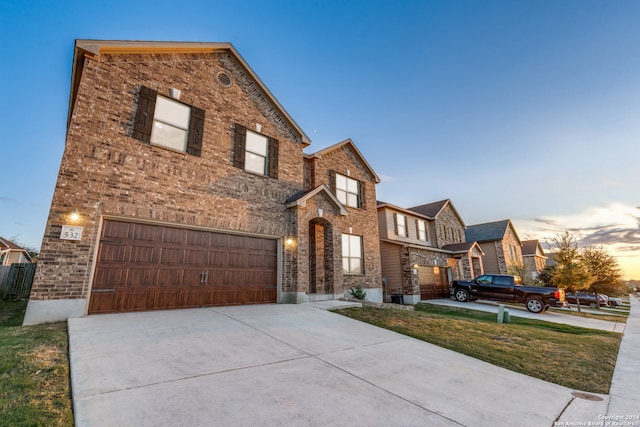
pixel 530 248
pixel 432 210
pixel 462 247
pixel 489 231
pixel 94 48
pixel 339 145
pixel 384 205
pixel 8 244
pixel 300 199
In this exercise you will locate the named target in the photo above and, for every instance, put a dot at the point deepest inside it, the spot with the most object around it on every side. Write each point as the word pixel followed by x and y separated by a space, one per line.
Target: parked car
pixel 612 302
pixel 586 299
pixel 501 287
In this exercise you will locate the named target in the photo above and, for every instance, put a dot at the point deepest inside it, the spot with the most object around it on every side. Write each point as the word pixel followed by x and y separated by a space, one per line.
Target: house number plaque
pixel 69 232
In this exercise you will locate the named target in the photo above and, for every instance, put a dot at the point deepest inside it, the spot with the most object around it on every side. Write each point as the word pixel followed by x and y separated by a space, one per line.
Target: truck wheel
pixel 534 305
pixel 462 295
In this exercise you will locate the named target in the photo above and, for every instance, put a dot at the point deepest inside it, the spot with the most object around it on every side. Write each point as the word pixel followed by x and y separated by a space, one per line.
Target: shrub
pixel 358 292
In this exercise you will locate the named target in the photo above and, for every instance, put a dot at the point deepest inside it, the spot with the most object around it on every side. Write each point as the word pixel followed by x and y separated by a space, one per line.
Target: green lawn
pixel 578 358
pixel 34 371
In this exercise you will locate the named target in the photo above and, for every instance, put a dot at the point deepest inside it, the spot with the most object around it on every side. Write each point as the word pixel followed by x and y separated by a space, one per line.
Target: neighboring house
pixel 423 249
pixel 533 257
pixel 11 253
pixel 183 183
pixel 500 243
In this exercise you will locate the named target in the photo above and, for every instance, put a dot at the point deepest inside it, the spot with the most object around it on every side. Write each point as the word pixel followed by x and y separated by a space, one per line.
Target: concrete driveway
pixel 279 365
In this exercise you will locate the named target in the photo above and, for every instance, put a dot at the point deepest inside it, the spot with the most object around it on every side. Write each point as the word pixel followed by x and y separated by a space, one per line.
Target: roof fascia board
pixel 348 141
pixel 406 211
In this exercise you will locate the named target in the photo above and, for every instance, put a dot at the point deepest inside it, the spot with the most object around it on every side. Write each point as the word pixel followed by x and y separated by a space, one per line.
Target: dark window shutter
pixel 361 187
pixel 332 182
pixel 406 227
pixel 417 229
pixel 395 223
pixel 144 116
pixel 273 157
pixel 196 127
pixel 238 146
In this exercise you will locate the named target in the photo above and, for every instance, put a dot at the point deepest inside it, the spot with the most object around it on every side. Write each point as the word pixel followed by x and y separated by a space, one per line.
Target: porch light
pixel 74 216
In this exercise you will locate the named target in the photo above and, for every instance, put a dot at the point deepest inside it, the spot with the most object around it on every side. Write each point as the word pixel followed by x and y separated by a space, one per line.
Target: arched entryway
pixel 321 274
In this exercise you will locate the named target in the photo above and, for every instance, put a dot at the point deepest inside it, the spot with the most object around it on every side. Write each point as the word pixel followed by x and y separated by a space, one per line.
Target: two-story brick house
pixel 423 248
pixel 500 243
pixel 183 183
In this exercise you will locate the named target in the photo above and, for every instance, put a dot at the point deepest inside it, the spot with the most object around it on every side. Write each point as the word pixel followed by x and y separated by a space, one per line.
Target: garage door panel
pixel 192 277
pixel 113 252
pixel 170 277
pixel 216 277
pixel 174 235
pixel 198 238
pixel 116 230
pixel 163 300
pixel 137 300
pixel 143 254
pixel 237 242
pixel 172 256
pixel 103 302
pixel 141 277
pixel 217 258
pixel 146 232
pixel 219 240
pixel 238 260
pixel 196 257
pixel 148 267
pixel 109 278
pixel 192 299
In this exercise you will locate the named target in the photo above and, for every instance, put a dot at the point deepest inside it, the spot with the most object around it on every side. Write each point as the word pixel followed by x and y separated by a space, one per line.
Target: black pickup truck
pixel 499 287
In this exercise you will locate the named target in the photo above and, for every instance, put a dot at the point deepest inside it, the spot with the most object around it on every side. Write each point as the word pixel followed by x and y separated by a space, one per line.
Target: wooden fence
pixel 16 280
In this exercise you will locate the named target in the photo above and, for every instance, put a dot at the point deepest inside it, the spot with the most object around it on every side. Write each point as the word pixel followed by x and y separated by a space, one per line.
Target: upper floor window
pixel 422 230
pixel 401 225
pixel 352 255
pixel 168 123
pixel 255 152
pixel 348 191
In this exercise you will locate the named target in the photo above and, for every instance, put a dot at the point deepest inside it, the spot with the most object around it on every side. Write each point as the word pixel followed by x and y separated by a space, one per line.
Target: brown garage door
pixel 155 267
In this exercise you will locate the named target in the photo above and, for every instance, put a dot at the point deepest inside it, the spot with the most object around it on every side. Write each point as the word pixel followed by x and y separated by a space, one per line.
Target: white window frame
pixel 401 225
pixel 422 230
pixel 256 153
pixel 352 254
pixel 170 124
pixel 348 191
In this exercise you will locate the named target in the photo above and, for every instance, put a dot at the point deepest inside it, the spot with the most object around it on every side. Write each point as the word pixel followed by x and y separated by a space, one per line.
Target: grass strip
pixel 34 371
pixel 578 358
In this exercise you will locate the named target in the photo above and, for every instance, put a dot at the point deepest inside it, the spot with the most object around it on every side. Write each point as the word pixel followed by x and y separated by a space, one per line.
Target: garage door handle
pixel 203 277
pixel 96 291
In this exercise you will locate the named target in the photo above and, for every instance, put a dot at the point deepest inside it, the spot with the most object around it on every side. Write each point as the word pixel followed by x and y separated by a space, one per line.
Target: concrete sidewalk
pixel 625 384
pixel 521 311
pixel 295 365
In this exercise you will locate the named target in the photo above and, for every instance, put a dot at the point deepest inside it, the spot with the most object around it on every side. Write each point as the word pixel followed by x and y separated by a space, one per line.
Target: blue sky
pixel 527 110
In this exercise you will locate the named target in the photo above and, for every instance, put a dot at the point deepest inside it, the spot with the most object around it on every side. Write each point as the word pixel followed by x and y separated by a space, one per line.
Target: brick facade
pixel 106 173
